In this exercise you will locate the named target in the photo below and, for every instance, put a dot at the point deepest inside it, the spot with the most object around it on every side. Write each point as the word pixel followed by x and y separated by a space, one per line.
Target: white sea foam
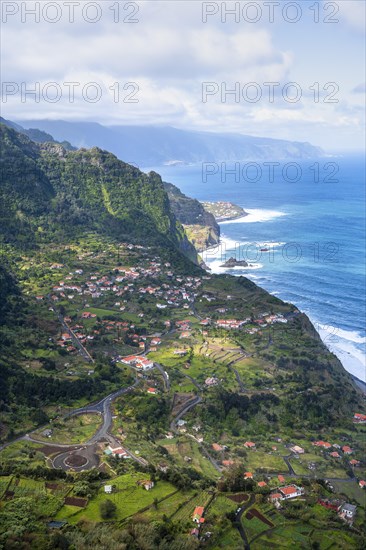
pixel 216 267
pixel 348 346
pixel 257 215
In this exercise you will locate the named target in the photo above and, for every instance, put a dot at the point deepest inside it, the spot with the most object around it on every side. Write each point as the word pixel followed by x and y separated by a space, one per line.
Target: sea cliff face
pixel 200 225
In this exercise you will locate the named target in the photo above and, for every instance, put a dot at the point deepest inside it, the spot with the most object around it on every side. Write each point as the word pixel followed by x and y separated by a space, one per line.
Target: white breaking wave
pixel 257 215
pixel 343 344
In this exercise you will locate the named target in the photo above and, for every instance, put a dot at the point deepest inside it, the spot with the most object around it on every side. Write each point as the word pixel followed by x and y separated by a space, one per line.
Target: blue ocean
pixel 304 238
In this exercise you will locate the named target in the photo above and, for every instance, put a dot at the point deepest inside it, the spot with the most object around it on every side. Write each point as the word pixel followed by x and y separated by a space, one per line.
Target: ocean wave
pixel 257 215
pixel 348 346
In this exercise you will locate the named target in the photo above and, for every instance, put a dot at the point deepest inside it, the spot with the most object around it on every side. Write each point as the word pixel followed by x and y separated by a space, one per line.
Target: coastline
pixel 342 343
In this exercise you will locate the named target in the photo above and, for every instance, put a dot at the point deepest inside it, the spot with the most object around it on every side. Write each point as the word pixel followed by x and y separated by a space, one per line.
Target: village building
pixel 347 512
pixel 197 514
pixel 359 418
pixel 146 484
pixel 285 493
pixel 297 450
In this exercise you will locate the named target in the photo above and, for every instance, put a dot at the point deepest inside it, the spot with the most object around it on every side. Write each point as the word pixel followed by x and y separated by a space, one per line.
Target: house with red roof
pixel 262 484
pixel 362 483
pixel 334 454
pixel 197 514
pixel 347 450
pixel 285 493
pixel 359 418
pixel 120 453
pixel 291 491
pixel 275 497
pixel 281 478
pixel 323 444
pixel 216 447
pixel 227 463
pixel 354 462
pixel 249 445
pixel 248 475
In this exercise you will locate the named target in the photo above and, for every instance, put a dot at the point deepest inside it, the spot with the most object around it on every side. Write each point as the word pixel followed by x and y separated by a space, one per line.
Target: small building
pixel 275 497
pixel 297 450
pixel 323 444
pixel 249 445
pixel 359 418
pixel 281 478
pixel 262 484
pixel 285 493
pixel 291 491
pixel 108 489
pixel 146 484
pixel 347 450
pixel 362 483
pixel 197 514
pixel 217 447
pixel 248 475
pixel 347 512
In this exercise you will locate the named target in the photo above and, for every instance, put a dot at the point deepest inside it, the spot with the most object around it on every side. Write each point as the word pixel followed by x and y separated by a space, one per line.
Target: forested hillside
pixel 50 193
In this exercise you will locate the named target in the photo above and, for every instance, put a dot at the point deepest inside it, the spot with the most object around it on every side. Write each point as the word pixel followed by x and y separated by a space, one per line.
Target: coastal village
pixel 182 339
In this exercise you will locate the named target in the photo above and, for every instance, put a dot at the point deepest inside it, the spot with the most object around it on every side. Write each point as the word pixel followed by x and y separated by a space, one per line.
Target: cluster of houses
pixel 124 281
pixel 263 320
pixel 346 450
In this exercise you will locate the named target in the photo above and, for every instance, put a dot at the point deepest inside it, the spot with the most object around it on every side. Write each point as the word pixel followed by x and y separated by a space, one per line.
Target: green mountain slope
pixel 48 192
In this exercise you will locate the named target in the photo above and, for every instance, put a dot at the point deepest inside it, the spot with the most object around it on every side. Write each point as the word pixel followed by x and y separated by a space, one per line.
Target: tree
pixel 107 509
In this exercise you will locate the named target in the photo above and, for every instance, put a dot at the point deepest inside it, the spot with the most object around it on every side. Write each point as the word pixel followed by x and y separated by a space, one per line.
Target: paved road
pixel 238 379
pixel 165 376
pixel 239 524
pixel 75 340
pixel 103 407
pixel 292 473
pixel 191 403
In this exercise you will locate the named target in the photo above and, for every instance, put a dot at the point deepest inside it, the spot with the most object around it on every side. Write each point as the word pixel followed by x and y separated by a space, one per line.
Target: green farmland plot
pixel 127 495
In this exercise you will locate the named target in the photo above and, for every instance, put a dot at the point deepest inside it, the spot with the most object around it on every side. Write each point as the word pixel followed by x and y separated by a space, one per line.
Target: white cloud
pixel 353 12
pixel 169 53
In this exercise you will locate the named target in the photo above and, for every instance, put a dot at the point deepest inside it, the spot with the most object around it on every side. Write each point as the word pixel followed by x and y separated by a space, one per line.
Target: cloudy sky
pixel 173 63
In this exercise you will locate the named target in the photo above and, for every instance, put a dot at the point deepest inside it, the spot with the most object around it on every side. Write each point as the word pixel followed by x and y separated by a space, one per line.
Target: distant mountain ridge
pixel 35 134
pixel 147 146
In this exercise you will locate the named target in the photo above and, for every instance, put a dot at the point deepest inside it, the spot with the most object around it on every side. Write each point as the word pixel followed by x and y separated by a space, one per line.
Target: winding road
pixel 238 522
